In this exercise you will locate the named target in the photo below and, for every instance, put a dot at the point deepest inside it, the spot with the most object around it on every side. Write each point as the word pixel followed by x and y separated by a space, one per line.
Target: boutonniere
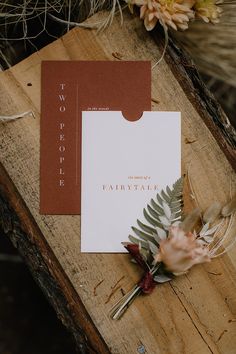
pixel 168 245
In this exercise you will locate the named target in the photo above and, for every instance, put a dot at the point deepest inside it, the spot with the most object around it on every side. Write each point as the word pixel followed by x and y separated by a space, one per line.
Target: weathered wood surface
pixel 195 313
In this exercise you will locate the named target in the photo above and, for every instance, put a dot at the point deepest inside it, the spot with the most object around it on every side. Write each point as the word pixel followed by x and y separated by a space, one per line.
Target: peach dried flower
pixel 181 250
pixel 172 13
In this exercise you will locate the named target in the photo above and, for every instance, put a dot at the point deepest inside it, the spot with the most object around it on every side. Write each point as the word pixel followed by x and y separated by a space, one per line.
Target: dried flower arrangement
pixel 167 246
pixel 176 13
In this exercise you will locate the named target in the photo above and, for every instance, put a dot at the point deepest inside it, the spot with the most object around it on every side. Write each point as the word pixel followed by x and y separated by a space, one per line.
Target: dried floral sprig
pixel 165 246
pixel 176 13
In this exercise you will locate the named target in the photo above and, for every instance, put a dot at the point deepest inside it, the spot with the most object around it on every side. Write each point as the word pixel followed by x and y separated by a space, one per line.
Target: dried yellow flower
pixel 208 10
pixel 172 13
pixel 181 250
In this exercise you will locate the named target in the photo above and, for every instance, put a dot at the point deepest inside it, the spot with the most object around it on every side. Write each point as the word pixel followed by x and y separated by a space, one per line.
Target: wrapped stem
pixel 122 305
pixel 146 285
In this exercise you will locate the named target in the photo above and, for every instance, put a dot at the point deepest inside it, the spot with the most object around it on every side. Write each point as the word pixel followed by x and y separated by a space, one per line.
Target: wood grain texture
pixel 195 313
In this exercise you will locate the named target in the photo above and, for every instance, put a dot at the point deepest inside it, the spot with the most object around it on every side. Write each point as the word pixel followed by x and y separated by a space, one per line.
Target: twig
pixel 16 116
pixel 221 335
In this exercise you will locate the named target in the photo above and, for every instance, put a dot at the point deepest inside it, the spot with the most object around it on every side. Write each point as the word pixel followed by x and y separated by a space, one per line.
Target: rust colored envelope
pixel 68 88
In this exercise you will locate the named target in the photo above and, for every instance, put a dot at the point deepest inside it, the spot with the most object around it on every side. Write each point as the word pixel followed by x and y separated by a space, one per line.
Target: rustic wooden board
pixel 195 313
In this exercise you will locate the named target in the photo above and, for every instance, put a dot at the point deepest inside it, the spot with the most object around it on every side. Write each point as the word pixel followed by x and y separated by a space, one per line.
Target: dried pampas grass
pixel 213 46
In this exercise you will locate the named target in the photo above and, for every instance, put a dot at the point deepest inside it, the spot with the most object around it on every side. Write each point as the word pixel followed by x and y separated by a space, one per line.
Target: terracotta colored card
pixel 68 88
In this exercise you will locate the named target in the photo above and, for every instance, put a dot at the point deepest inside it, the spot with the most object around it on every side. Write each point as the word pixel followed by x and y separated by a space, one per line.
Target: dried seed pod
pixel 229 208
pixel 212 212
pixel 190 220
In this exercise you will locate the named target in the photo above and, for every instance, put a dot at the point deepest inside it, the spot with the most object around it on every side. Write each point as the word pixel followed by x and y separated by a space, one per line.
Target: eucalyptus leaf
pixel 177 211
pixel 158 209
pixel 161 233
pixel 142 234
pixel 159 199
pixel 144 253
pixel 165 221
pixel 150 219
pixel 153 248
pixel 177 215
pixel 136 241
pixel 167 210
pixel 165 196
pixel 176 204
pixel 153 213
pixel 168 191
pixel 157 238
pixel 146 228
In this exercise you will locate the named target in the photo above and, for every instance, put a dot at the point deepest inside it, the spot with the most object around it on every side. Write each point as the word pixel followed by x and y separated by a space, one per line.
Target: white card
pixel 124 165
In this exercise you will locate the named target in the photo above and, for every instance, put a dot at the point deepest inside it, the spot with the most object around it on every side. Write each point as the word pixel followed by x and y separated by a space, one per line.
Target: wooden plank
pixel 193 314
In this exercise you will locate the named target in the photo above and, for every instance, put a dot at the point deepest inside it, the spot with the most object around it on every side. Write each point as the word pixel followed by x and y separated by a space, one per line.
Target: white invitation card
pixel 124 164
